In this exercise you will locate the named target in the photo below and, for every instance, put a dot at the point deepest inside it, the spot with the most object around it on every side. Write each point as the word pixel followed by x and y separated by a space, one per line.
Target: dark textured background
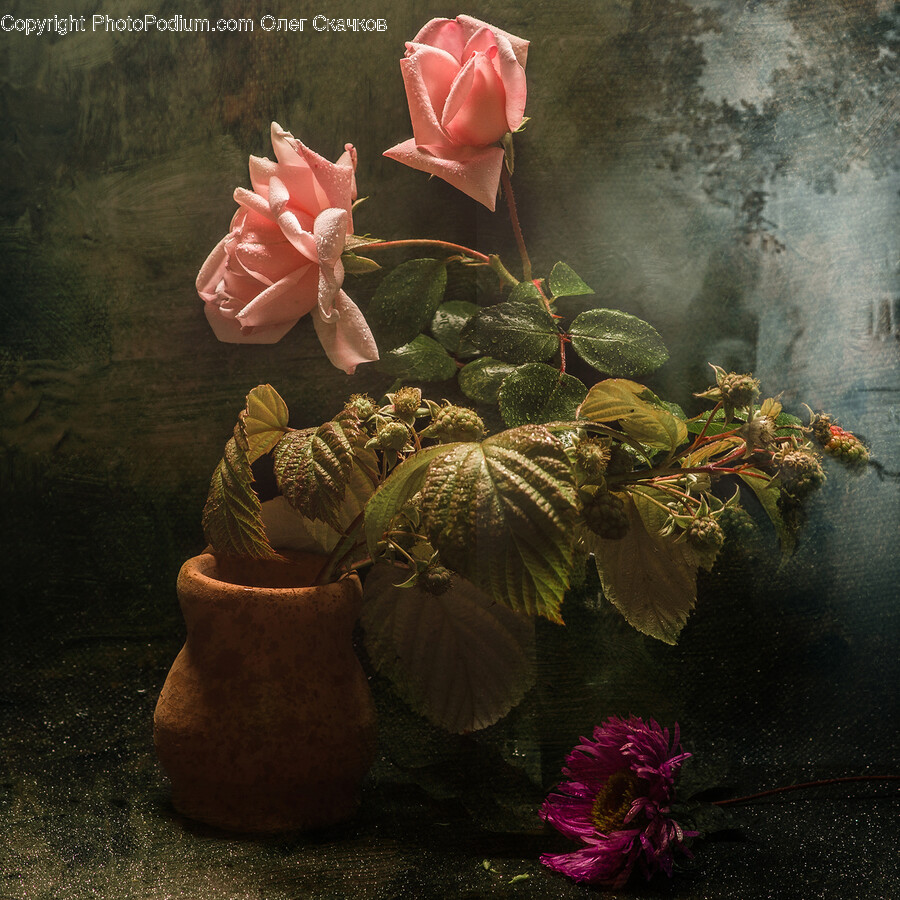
pixel 726 170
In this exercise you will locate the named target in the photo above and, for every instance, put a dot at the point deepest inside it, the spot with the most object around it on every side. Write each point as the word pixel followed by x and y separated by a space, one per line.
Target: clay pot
pixel 265 722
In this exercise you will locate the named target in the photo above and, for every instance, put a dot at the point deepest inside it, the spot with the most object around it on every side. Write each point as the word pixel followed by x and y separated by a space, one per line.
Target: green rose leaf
pixel 525 292
pixel 614 342
pixel 626 401
pixel 405 301
pixel 539 393
pixel 263 421
pixel 314 466
pixel 449 321
pixel 565 283
pixel 500 514
pixel 480 379
pixel 459 659
pixel 231 517
pixel 423 359
pixel 514 332
pixel 650 578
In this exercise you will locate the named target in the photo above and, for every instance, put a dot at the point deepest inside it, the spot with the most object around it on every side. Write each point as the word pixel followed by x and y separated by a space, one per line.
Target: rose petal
pixel 229 331
pixel 285 301
pixel 470 25
pixel 445 34
pixel 475 172
pixel 212 271
pixel 475 112
pixel 425 122
pixel 345 337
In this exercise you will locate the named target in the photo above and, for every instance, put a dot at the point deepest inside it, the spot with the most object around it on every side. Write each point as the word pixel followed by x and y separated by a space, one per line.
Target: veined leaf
pixel 619 399
pixel 406 300
pixel 515 332
pixel 705 453
pixel 423 359
pixel 480 379
pixel 231 516
pixel 767 492
pixel 400 487
pixel 313 467
pixel 565 283
pixel 650 578
pixel 538 393
pixel 264 420
pixel 500 514
pixel 460 659
pixel 614 342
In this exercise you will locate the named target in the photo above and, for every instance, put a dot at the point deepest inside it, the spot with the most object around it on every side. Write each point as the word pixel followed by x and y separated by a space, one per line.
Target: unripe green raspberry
pixel 705 534
pixel 455 423
pixel 361 405
pixel 737 523
pixel 800 472
pixel 846 447
pixel 738 390
pixel 592 457
pixel 604 513
pixel 392 436
pixel 436 580
pixel 407 401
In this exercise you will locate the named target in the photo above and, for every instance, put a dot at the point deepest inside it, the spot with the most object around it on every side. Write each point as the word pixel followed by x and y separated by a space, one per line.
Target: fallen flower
pixel 616 802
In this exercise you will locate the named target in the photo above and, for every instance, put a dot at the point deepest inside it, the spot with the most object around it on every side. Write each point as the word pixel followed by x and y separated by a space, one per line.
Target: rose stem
pixel 806 784
pixel 425 242
pixel 514 218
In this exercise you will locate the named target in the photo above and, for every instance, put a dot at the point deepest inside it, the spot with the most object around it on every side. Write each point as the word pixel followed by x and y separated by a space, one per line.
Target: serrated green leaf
pixel 767 492
pixel 405 301
pixel 525 292
pixel 231 517
pixel 394 493
pixel 622 400
pixel 449 321
pixel 616 343
pixel 514 332
pixel 459 659
pixel 264 420
pixel 423 359
pixel 313 466
pixel 500 514
pixel 650 578
pixel 565 283
pixel 358 265
pixel 480 379
pixel 538 393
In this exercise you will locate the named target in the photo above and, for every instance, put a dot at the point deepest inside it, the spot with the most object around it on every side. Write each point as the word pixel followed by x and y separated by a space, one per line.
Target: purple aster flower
pixel 616 802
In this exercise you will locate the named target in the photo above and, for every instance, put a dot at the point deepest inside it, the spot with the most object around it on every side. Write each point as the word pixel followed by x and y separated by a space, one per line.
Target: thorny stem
pixel 427 242
pixel 340 551
pixel 805 784
pixel 514 219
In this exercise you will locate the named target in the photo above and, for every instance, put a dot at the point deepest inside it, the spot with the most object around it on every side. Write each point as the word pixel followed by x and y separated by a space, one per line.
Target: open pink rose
pixel 465 84
pixel 282 257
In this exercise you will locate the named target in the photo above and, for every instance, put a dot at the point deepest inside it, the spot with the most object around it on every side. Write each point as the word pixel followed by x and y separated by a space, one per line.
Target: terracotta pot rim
pixel 200 568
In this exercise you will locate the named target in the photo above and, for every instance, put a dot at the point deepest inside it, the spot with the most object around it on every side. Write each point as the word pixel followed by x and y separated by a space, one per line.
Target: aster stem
pixel 427 242
pixel 514 219
pixel 806 784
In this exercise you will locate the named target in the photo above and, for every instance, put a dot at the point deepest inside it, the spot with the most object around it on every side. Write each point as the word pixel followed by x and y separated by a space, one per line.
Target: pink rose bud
pixel 282 257
pixel 465 85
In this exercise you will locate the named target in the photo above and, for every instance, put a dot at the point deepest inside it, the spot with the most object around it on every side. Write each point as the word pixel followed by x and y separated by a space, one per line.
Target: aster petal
pixel 345 337
pixel 608 862
pixel 569 815
pixel 474 172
